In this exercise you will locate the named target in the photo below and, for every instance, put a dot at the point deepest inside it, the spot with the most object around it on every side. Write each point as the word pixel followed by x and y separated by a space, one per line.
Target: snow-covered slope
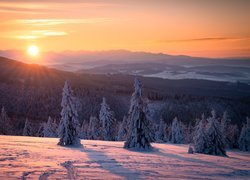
pixel 34 158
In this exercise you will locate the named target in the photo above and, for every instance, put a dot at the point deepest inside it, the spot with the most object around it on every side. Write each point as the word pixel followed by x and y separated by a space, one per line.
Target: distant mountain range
pixel 146 64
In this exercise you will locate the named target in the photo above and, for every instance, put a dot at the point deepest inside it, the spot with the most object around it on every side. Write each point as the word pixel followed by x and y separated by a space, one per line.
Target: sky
pixel 202 28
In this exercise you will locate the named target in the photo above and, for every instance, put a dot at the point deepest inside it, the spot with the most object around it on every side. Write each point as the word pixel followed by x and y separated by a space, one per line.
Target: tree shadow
pixel 192 160
pixel 111 164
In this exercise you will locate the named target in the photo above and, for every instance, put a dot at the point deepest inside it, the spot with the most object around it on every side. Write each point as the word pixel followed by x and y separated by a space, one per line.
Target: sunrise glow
pixel 33 50
pixel 204 28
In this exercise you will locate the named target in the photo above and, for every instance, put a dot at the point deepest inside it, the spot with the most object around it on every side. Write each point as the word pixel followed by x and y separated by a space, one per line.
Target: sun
pixel 33 50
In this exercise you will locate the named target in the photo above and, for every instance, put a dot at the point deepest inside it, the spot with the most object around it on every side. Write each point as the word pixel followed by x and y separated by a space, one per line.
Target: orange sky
pixel 191 27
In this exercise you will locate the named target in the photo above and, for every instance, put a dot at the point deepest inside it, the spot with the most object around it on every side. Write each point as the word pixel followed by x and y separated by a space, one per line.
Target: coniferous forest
pixel 110 113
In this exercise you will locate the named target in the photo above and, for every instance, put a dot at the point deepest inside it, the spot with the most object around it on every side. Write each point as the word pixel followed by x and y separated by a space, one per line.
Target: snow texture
pixel 25 158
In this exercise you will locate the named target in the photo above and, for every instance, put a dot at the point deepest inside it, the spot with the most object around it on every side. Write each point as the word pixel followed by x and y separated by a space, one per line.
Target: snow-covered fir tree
pixel 190 150
pixel 5 127
pixel 107 119
pixel 50 128
pixel 160 134
pixel 214 136
pixel 200 136
pixel 138 119
pixel 189 133
pixel 40 130
pixel 84 130
pixel 225 125
pixel 168 133
pixel 123 130
pixel 27 130
pixel 176 132
pixel 244 139
pixel 94 129
pixel 233 136
pixel 68 130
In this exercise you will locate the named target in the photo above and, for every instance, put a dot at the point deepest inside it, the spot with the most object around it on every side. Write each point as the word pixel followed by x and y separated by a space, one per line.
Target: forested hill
pixel 34 91
pixel 17 73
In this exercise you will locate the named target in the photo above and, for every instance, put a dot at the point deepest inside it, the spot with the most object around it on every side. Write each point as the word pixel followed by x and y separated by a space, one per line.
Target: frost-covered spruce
pixel 225 125
pixel 138 119
pixel 84 130
pixel 27 130
pixel 190 150
pixel 215 138
pixel 94 129
pixel 50 128
pixel 160 134
pixel 176 132
pixel 200 139
pixel 233 136
pixel 122 133
pixel 244 139
pixel 107 119
pixel 189 133
pixel 40 130
pixel 68 130
pixel 5 127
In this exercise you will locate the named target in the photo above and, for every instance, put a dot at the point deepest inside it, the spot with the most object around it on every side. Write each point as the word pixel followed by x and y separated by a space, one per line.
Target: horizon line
pixel 125 50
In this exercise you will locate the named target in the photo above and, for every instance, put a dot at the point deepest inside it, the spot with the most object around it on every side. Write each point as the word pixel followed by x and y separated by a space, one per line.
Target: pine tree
pixel 5 127
pixel 123 130
pixel 27 130
pixel 94 129
pixel 215 138
pixel 244 139
pixel 107 119
pixel 50 128
pixel 84 130
pixel 169 133
pixel 138 119
pixel 225 125
pixel 233 136
pixel 69 124
pixel 190 150
pixel 200 139
pixel 40 130
pixel 160 134
pixel 189 133
pixel 176 133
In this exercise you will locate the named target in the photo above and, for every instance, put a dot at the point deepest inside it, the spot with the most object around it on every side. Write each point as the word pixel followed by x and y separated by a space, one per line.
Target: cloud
pixel 26 8
pixel 204 39
pixel 35 34
pixel 38 7
pixel 21 10
pixel 51 22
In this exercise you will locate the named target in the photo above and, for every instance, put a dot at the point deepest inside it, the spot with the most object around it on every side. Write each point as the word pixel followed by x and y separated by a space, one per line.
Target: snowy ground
pixel 41 158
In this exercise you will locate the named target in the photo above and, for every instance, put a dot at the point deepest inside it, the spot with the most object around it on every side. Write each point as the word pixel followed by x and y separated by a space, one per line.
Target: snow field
pixel 41 158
